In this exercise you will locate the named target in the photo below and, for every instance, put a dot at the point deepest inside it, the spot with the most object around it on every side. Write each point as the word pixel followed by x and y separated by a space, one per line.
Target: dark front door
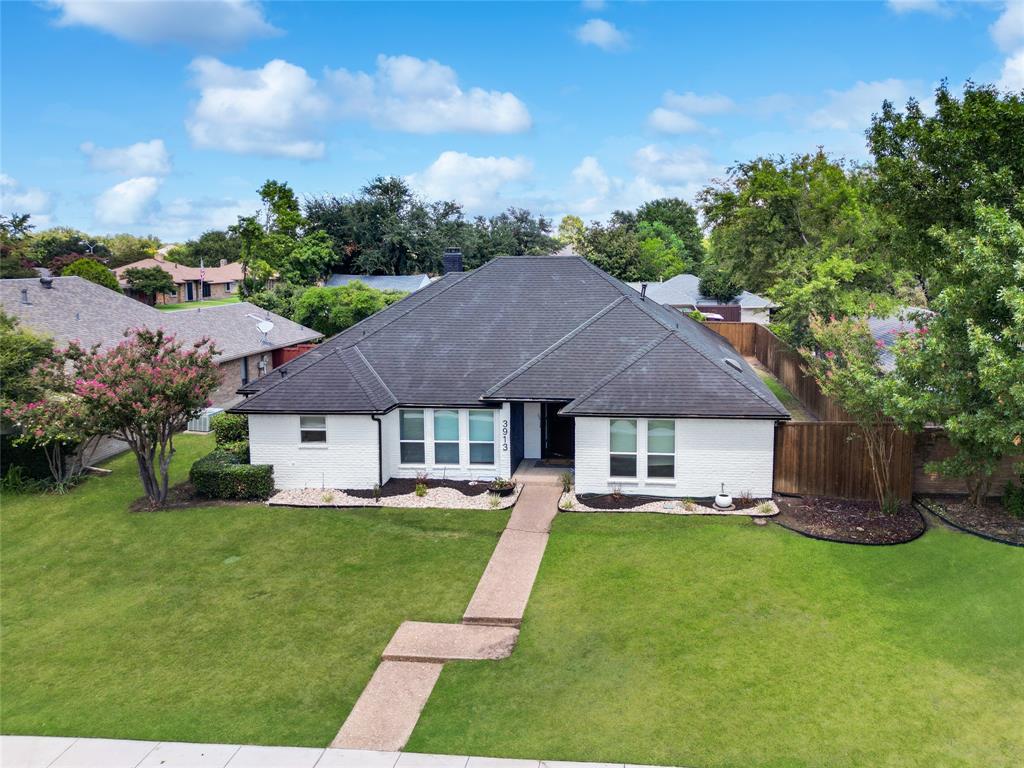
pixel 188 291
pixel 559 433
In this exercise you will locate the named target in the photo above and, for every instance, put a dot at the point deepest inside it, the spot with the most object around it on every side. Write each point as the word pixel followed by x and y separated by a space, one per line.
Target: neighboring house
pixel 218 282
pixel 887 331
pixel 75 309
pixel 402 283
pixel 541 357
pixel 682 292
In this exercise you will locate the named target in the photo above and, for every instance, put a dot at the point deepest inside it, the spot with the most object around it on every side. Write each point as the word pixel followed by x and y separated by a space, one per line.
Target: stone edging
pixel 816 537
pixel 699 510
pixel 949 522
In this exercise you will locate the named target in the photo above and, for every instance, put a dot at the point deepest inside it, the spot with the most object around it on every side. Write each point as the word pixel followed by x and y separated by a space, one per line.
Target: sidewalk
pixel 58 752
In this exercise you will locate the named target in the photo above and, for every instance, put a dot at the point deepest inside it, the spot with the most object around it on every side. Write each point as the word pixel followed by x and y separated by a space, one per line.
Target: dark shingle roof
pixel 684 291
pixel 75 309
pixel 517 328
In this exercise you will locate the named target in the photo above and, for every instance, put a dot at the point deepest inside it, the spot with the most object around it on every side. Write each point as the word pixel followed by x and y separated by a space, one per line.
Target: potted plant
pixel 723 500
pixel 502 487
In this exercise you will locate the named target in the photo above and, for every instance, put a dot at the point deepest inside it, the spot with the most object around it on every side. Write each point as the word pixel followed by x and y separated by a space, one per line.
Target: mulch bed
pixel 990 520
pixel 610 501
pixel 403 486
pixel 183 496
pixel 847 521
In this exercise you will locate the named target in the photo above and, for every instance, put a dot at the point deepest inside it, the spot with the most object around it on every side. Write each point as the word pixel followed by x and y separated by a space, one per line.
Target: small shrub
pixel 765 508
pixel 746 497
pixel 421 489
pixel 501 484
pixel 376 492
pixel 1013 499
pixel 327 497
pixel 230 428
pixel 16 481
pixel 617 492
pixel 239 449
pixel 689 505
pixel 493 501
pixel 566 478
pixel 566 504
pixel 696 314
pixel 422 477
pixel 220 475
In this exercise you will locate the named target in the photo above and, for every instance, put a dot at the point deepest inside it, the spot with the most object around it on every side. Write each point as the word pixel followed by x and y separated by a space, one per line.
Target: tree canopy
pixel 150 281
pixel 92 271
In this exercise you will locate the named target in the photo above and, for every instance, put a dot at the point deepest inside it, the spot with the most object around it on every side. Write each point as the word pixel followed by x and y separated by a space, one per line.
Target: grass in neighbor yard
pixel 197 304
pixel 714 642
pixel 229 624
pixel 789 401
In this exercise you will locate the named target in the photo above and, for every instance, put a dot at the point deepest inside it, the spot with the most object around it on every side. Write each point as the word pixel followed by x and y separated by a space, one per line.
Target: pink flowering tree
pixel 56 420
pixel 846 362
pixel 143 391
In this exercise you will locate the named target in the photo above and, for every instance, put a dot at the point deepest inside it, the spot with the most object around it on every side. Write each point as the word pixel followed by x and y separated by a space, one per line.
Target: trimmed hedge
pixel 229 428
pixel 220 475
pixel 239 449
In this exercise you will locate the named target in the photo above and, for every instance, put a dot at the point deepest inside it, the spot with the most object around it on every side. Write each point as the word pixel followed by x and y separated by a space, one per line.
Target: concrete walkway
pixel 389 707
pixel 59 752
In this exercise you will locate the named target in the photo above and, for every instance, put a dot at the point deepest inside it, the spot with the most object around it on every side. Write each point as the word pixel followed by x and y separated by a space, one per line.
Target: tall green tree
pixel 681 217
pixel 150 281
pixel 211 247
pixel 964 368
pixel 20 351
pixel 332 310
pixel 932 169
pixel 125 248
pixel 93 271
pixel 15 231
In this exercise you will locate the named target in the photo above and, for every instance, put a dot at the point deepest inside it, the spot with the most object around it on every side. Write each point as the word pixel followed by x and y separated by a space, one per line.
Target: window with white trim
pixel 623 448
pixel 481 437
pixel 446 436
pixel 661 448
pixel 312 429
pixel 410 436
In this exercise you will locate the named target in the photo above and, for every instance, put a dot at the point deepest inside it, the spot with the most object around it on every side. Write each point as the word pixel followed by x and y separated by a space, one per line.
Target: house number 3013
pixel 504 434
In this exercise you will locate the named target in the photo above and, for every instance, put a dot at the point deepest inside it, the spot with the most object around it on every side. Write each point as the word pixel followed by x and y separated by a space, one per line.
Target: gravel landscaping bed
pixel 990 521
pixel 438 497
pixel 570 502
pixel 847 521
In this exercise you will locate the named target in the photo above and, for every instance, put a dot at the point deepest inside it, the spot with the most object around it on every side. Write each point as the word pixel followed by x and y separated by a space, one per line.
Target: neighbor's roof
pixel 76 309
pixel 403 283
pixel 229 273
pixel 888 329
pixel 684 291
pixel 545 328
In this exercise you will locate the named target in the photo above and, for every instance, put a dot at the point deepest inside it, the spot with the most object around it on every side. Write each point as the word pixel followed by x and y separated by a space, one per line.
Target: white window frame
pixel 457 442
pixel 492 442
pixel 312 429
pixel 422 441
pixel 670 479
pixel 635 453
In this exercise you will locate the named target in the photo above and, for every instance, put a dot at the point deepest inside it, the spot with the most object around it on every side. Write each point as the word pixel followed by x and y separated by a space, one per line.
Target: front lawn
pixel 225 623
pixel 714 642
pixel 197 304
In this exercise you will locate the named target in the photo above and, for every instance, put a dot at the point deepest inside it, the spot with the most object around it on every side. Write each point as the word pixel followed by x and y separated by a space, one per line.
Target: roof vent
pixel 46 282
pixel 643 291
pixel 24 296
pixel 733 364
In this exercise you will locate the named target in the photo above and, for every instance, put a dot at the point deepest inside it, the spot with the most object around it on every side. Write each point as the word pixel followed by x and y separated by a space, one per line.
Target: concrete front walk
pixel 59 752
pixel 390 705
pixel 428 641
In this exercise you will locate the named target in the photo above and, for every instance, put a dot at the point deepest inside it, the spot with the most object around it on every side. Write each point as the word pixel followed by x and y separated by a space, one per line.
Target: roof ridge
pixel 344 361
pixel 629 362
pixel 373 370
pixel 537 358
pixel 642 304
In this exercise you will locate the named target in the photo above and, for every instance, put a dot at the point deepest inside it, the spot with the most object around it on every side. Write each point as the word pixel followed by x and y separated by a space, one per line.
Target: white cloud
pixel 476 182
pixel 593 5
pixel 273 110
pixel 144 158
pixel 603 34
pixel 128 202
pixel 673 165
pixel 423 96
pixel 710 104
pixel 1012 78
pixel 183 219
pixel 671 121
pixel 14 198
pixel 1008 29
pixel 675 115
pixel 852 109
pixel 193 22
pixel 935 7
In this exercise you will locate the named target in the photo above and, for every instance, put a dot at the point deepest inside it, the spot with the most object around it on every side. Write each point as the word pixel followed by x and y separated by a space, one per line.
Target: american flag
pixel 202 270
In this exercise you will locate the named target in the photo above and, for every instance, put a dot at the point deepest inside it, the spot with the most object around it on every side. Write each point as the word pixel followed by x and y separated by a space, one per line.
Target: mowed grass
pixel 224 624
pixel 197 304
pixel 714 642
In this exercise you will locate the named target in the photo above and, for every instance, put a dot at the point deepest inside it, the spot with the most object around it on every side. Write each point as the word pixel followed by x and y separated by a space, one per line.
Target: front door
pixel 559 433
pixel 188 291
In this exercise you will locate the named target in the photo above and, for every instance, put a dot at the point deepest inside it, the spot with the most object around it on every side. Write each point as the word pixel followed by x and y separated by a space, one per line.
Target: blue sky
pixel 165 117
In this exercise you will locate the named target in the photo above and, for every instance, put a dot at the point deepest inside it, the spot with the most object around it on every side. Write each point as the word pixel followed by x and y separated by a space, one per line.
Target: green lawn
pixel 197 304
pixel 227 624
pixel 714 642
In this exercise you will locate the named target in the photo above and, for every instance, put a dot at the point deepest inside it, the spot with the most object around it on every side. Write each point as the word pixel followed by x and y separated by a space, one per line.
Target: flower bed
pixel 437 497
pixel 847 521
pixel 569 502
pixel 990 521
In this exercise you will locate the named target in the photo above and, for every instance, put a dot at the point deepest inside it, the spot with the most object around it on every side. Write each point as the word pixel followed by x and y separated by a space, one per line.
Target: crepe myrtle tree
pixel 845 362
pixel 145 390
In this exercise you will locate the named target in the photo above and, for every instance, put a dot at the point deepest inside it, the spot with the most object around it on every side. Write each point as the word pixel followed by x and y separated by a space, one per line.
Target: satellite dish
pixel 263 325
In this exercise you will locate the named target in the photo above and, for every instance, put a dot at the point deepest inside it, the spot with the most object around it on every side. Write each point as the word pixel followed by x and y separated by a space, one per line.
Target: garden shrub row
pixel 229 428
pixel 221 474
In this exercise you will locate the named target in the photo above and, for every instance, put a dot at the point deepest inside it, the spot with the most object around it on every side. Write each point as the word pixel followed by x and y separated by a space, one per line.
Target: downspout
pixel 380 449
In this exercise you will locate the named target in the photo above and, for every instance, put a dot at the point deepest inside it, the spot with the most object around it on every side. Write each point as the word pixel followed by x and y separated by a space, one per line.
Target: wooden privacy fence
pixel 784 362
pixel 830 459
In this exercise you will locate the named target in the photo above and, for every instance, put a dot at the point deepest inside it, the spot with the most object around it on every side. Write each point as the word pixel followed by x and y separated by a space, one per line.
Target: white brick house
pixel 524 358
